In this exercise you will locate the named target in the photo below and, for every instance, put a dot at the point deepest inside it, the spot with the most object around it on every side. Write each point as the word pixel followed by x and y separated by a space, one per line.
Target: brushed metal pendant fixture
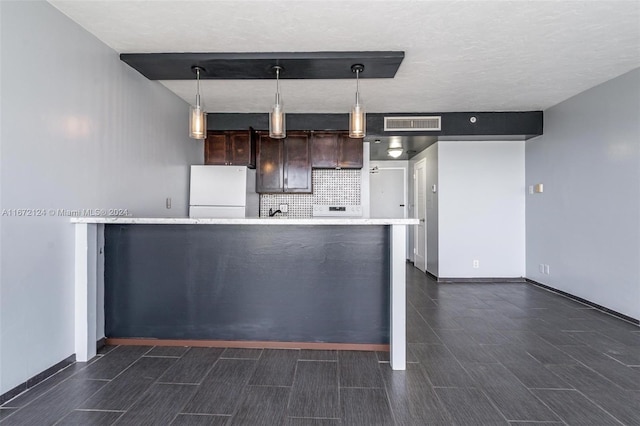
pixel 357 117
pixel 277 118
pixel 197 115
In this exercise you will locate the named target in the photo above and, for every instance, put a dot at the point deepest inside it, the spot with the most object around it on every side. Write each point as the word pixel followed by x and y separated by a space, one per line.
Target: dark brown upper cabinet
pixel 284 165
pixel 232 148
pixel 336 150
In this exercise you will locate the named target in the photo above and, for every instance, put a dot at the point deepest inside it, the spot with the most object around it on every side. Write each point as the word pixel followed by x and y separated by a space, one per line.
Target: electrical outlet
pixel 168 203
pixel 284 208
pixel 541 268
pixel 546 269
pixel 530 189
pixel 476 263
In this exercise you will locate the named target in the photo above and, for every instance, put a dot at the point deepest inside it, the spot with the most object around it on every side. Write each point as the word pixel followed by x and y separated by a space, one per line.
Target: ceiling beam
pixel 252 66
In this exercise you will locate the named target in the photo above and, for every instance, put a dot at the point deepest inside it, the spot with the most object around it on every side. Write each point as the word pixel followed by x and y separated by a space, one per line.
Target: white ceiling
pixel 459 55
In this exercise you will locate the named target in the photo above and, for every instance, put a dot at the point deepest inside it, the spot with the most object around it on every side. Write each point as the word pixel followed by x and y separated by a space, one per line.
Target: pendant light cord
pixel 198 87
pixel 278 86
pixel 357 87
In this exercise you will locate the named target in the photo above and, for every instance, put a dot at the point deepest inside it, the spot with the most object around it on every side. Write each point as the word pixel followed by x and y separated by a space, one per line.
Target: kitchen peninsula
pixel 306 282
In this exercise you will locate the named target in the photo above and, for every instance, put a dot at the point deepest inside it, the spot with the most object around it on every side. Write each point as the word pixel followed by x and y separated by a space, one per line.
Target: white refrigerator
pixel 223 192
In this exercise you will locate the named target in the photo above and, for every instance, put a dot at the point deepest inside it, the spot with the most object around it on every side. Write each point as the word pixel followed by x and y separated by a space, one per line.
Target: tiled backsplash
pixel 330 187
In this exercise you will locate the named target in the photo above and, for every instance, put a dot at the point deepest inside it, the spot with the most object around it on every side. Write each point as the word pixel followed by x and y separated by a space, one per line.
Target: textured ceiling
pixel 460 55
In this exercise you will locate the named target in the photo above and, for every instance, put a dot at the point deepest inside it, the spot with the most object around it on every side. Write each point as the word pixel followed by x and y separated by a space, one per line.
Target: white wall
pixel 79 130
pixel 586 223
pixel 433 258
pixel 481 208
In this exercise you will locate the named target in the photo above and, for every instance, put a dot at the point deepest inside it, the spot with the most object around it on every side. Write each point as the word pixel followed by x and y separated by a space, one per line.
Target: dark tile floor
pixel 480 354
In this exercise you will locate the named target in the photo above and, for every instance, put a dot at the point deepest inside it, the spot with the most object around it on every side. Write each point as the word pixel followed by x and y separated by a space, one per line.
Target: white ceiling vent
pixel 412 124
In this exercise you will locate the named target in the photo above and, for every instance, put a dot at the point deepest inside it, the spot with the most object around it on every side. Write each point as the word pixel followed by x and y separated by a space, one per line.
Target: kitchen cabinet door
pixel 215 148
pixel 270 165
pixel 335 150
pixel 241 149
pixel 297 163
pixel 235 148
pixel 324 150
pixel 350 152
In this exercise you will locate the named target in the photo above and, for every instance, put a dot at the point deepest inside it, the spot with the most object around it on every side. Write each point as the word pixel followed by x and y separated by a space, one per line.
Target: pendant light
pixel 277 119
pixel 357 117
pixel 197 116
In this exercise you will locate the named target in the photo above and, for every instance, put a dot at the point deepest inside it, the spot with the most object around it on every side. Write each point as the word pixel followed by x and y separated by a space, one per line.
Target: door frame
pixel 421 162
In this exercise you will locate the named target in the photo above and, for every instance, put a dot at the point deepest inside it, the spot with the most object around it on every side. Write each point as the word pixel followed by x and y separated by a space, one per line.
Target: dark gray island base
pixel 293 283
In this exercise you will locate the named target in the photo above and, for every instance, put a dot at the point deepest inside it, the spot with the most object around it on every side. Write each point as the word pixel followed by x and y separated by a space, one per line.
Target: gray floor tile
pixel 276 367
pixel 469 407
pixel 508 394
pixel 359 369
pixel 365 406
pixel 93 418
pixel 626 337
pixel 262 405
pixel 220 392
pixel 112 364
pixel 559 337
pixel 622 404
pixel 5 412
pixel 313 355
pixel 418 331
pixel 412 398
pixel 532 374
pixel 510 354
pixel 486 337
pixel 159 405
pixel 437 319
pixel 416 297
pixel 440 365
pixel 627 355
pixel 581 377
pixel 45 386
pixel 623 376
pixel 463 347
pixel 192 367
pixel 123 391
pixel 55 404
pixel 106 349
pixel 574 408
pixel 538 348
pixel 200 420
pixel 241 353
pixel 385 356
pixel 315 390
pixel 175 351
pixel 527 369
pixel 297 421
pixel 536 345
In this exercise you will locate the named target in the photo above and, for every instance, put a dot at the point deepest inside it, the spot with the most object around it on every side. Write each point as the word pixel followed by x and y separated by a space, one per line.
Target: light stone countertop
pixel 243 221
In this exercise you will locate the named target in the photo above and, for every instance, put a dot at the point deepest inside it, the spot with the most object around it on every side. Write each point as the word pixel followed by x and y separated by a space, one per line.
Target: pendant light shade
pixel 357 117
pixel 277 118
pixel 197 116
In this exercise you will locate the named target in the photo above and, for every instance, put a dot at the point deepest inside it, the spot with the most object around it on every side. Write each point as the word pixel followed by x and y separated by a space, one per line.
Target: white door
pixel 387 193
pixel 420 197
